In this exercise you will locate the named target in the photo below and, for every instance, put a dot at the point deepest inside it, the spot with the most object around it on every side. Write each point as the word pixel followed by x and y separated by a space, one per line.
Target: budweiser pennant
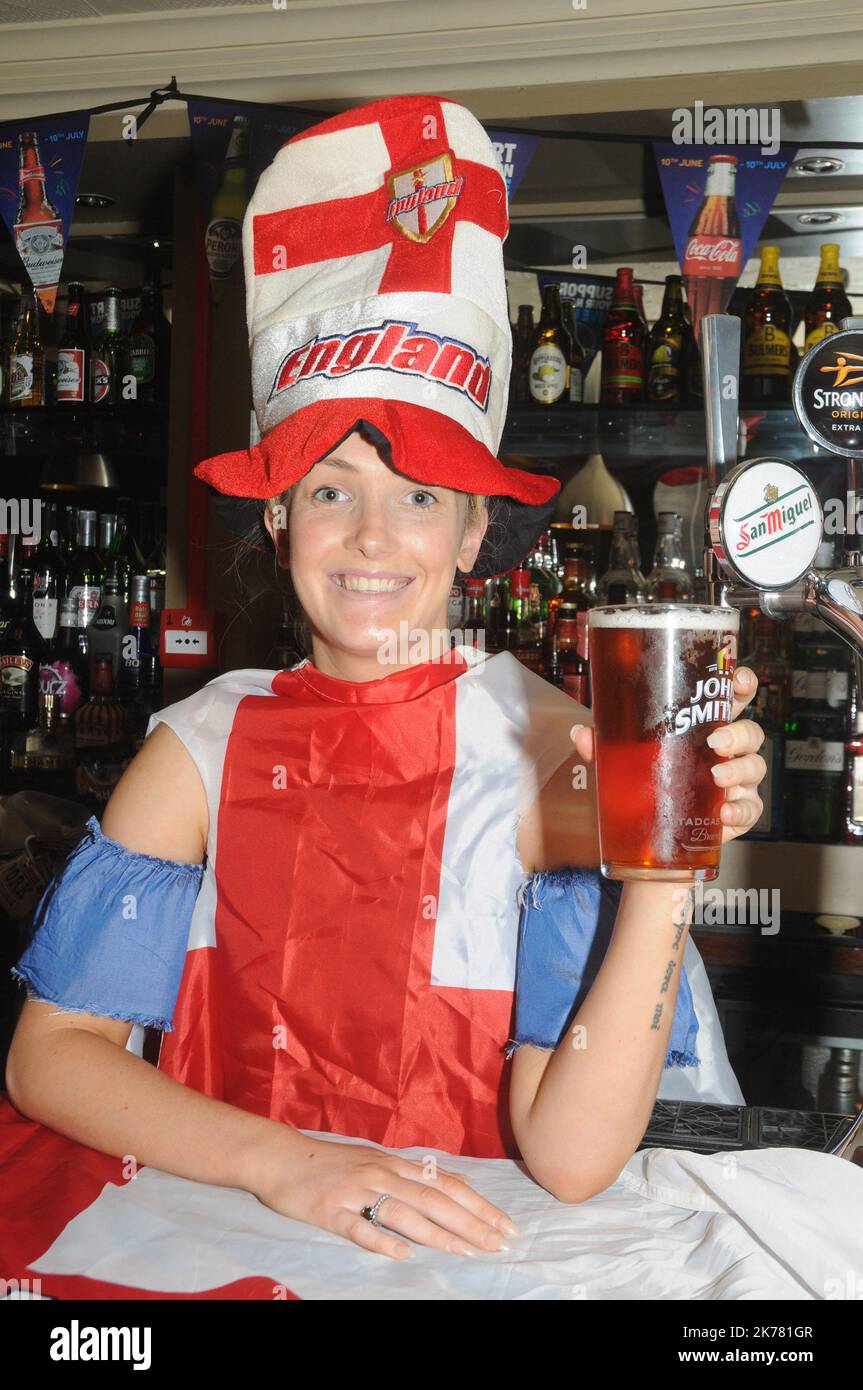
pixel 40 164
pixel 718 198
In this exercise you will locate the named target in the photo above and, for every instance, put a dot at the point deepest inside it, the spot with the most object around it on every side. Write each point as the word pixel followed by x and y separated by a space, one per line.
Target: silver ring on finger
pixel 371 1213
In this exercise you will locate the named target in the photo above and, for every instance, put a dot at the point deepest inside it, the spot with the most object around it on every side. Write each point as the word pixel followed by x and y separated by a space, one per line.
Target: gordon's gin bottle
pixel 714 251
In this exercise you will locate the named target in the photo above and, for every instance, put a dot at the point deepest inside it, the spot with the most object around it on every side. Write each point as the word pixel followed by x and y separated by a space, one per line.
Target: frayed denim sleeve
pixel 111 931
pixel 567 918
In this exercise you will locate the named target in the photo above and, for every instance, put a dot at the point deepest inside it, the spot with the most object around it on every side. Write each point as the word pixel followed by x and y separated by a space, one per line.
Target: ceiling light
pixel 94 200
pixel 819 219
pixel 818 164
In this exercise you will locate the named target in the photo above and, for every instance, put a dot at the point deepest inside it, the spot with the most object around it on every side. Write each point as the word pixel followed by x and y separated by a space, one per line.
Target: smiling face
pixel 369 550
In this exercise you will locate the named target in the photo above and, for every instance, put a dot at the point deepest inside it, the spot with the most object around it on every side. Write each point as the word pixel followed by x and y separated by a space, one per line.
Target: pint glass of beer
pixel 662 677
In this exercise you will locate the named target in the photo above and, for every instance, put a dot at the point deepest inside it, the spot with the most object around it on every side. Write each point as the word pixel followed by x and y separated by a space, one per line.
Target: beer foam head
pixel 662 617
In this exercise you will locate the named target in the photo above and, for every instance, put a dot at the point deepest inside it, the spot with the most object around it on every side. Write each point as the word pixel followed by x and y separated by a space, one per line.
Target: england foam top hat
pixel 376 299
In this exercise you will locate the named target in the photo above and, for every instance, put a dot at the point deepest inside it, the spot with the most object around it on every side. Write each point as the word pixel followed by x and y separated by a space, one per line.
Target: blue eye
pixel 328 488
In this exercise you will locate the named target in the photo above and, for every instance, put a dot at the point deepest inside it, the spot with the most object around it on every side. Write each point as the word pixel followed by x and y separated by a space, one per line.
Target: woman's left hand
pixel 742 767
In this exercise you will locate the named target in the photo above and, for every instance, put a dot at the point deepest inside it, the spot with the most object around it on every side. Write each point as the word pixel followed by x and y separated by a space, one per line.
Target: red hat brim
pixel 425 445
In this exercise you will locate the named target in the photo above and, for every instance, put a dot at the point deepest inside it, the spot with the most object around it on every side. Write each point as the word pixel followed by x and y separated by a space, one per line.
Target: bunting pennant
pixel 718 198
pixel 514 152
pixel 40 164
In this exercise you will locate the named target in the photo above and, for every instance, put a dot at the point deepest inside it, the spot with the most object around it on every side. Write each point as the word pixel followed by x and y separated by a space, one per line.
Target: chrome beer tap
pixel 763 519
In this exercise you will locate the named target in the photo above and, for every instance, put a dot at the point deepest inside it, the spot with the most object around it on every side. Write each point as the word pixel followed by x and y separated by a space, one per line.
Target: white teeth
pixel 372 586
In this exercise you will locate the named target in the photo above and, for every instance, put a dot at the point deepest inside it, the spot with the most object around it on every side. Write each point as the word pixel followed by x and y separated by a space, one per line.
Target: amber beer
pixel 662 679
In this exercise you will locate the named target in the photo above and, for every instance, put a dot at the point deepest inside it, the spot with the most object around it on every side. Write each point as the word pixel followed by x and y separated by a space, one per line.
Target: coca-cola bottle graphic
pixel 714 251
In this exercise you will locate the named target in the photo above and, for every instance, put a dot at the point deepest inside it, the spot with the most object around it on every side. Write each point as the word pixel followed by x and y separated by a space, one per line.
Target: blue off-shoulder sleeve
pixel 111 931
pixel 567 917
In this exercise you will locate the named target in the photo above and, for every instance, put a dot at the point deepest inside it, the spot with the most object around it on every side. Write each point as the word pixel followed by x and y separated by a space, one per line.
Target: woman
pixel 345 960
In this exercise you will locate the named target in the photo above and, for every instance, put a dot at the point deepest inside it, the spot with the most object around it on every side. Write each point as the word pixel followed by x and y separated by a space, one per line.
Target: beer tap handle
pixel 720 359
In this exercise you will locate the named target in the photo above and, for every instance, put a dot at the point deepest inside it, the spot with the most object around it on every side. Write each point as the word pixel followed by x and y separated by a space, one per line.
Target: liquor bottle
pixel 38 225
pixel 828 304
pixel 571 655
pixel 104 739
pixel 522 638
pixel 49 581
pixel 770 709
pixel 543 584
pixel 20 659
pixel 454 604
pixel 63 672
pixel 110 626
pixel 149 698
pixel 525 332
pixel 815 746
pixel 714 249
pixel 497 606
pixel 8 603
pixel 42 759
pixel 142 350
pixel 155 568
pixel 853 827
pixel 137 641
pixel 85 574
pixel 224 236
pixel 623 581
pixel 549 361
pixel 474 612
pixel 669 580
pixel 578 585
pixel 623 346
pixel 765 373
pixel 27 358
pixel 666 379
pixel 577 359
pixel 69 535
pixel 770 824
pixel 108 360
pixel 73 353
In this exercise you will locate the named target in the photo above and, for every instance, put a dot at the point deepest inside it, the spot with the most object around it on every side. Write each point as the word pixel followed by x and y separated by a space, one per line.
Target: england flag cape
pixel 351 957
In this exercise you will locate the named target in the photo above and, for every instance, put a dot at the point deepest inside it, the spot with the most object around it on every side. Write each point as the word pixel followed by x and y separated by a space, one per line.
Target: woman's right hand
pixel 327 1184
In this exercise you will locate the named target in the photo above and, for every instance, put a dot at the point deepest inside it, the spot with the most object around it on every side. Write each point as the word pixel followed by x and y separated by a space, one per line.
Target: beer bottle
pixel 577 590
pixel 666 380
pixel 525 332
pixel 38 225
pixel 474 609
pixel 669 580
pixel 27 358
pixel 108 359
pixel 623 346
pixel 141 352
pixel 577 359
pixel 49 578
pixel 828 304
pixel 73 354
pixel 766 358
pixel 521 636
pixel 572 653
pixel 853 827
pixel 549 361
pixel 623 581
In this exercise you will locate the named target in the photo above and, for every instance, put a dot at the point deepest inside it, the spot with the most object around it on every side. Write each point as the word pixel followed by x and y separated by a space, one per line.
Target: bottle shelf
pixel 629 436
pixel 811 877
pixel 40 431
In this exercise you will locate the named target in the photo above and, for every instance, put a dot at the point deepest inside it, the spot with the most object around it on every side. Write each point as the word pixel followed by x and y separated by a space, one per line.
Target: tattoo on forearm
pixel 669 971
pixel 677 935
pixel 657 1016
